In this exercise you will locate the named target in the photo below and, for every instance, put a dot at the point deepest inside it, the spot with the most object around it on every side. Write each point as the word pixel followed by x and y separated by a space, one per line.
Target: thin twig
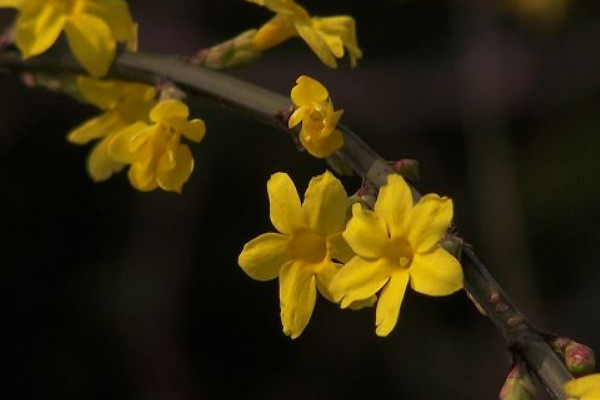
pixel 267 106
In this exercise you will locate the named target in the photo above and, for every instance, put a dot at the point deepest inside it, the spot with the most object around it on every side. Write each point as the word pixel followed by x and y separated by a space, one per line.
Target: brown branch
pixel 267 106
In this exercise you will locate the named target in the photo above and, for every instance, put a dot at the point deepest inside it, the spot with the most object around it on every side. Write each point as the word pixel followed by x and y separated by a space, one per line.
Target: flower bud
pixel 235 52
pixel 578 357
pixel 518 385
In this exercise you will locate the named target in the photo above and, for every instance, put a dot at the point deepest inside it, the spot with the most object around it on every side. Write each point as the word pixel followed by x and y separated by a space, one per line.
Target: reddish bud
pixel 518 385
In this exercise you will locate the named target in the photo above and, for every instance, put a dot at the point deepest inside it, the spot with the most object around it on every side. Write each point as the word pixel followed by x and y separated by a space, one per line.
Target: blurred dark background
pixel 114 294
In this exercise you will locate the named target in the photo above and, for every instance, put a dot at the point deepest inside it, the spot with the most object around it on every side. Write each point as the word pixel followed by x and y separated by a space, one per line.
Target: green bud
pixel 235 52
pixel 518 385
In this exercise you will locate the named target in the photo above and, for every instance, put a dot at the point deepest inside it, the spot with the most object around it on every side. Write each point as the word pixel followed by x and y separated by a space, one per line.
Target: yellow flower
pixel 123 103
pixel 155 153
pixel 302 253
pixel 326 36
pixel 584 388
pixel 319 121
pixel 92 27
pixel 395 243
pixel 545 11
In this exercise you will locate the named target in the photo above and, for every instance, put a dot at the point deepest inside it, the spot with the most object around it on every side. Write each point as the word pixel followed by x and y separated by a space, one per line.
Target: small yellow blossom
pixel 123 103
pixel 319 121
pixel 302 253
pixel 155 153
pixel 584 388
pixel 395 243
pixel 326 36
pixel 92 27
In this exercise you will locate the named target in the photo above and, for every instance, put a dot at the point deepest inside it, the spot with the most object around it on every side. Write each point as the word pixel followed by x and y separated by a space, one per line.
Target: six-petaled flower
pixel 303 252
pixel 155 152
pixel 396 243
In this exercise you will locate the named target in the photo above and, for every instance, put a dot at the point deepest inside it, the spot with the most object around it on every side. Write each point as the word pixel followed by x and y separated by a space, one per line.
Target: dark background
pixel 114 294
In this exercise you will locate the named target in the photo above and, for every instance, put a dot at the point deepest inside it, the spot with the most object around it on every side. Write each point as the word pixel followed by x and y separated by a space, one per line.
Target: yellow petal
pixel 194 130
pixel 366 233
pixel 429 221
pixel 100 165
pixel 297 116
pixel 339 249
pixel 142 176
pixel 92 43
pixel 286 211
pixel 12 3
pixel 307 91
pixel 317 44
pixel 325 276
pixel 102 126
pixel 297 295
pixel 117 16
pixel 390 300
pixel 436 273
pixel 263 256
pixel 324 206
pixel 275 31
pixel 335 44
pixel 285 7
pixel 322 147
pixel 344 28
pixel 324 273
pixel 38 28
pixel 174 179
pixel 584 387
pixel 168 159
pixel 125 145
pixel 359 279
pixel 360 304
pixel 103 94
pixel 394 205
pixel 169 109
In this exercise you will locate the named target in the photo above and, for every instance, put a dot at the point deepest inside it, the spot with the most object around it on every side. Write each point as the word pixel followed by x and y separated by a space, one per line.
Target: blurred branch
pixel 269 107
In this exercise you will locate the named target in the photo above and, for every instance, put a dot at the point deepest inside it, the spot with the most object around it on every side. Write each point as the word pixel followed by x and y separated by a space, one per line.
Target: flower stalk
pixel 267 107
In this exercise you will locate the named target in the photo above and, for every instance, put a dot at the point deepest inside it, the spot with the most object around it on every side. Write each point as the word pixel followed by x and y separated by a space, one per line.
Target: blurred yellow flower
pixel 123 103
pixel 395 243
pixel 155 153
pixel 546 11
pixel 302 253
pixel 326 36
pixel 92 27
pixel 584 388
pixel 319 121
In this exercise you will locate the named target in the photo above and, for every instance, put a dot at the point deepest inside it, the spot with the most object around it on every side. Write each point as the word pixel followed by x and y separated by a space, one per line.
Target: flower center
pixel 308 247
pixel 400 252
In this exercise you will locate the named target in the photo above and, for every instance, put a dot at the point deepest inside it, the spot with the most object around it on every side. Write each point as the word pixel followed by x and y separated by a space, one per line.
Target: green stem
pixel 267 107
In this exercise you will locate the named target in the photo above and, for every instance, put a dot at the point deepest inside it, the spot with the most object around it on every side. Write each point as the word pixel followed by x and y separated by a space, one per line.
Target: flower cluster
pixel 135 129
pixel 314 110
pixel 328 37
pixel 372 256
pixel 92 27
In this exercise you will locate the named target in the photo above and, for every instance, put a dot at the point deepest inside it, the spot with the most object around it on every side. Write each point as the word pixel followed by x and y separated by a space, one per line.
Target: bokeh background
pixel 114 294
